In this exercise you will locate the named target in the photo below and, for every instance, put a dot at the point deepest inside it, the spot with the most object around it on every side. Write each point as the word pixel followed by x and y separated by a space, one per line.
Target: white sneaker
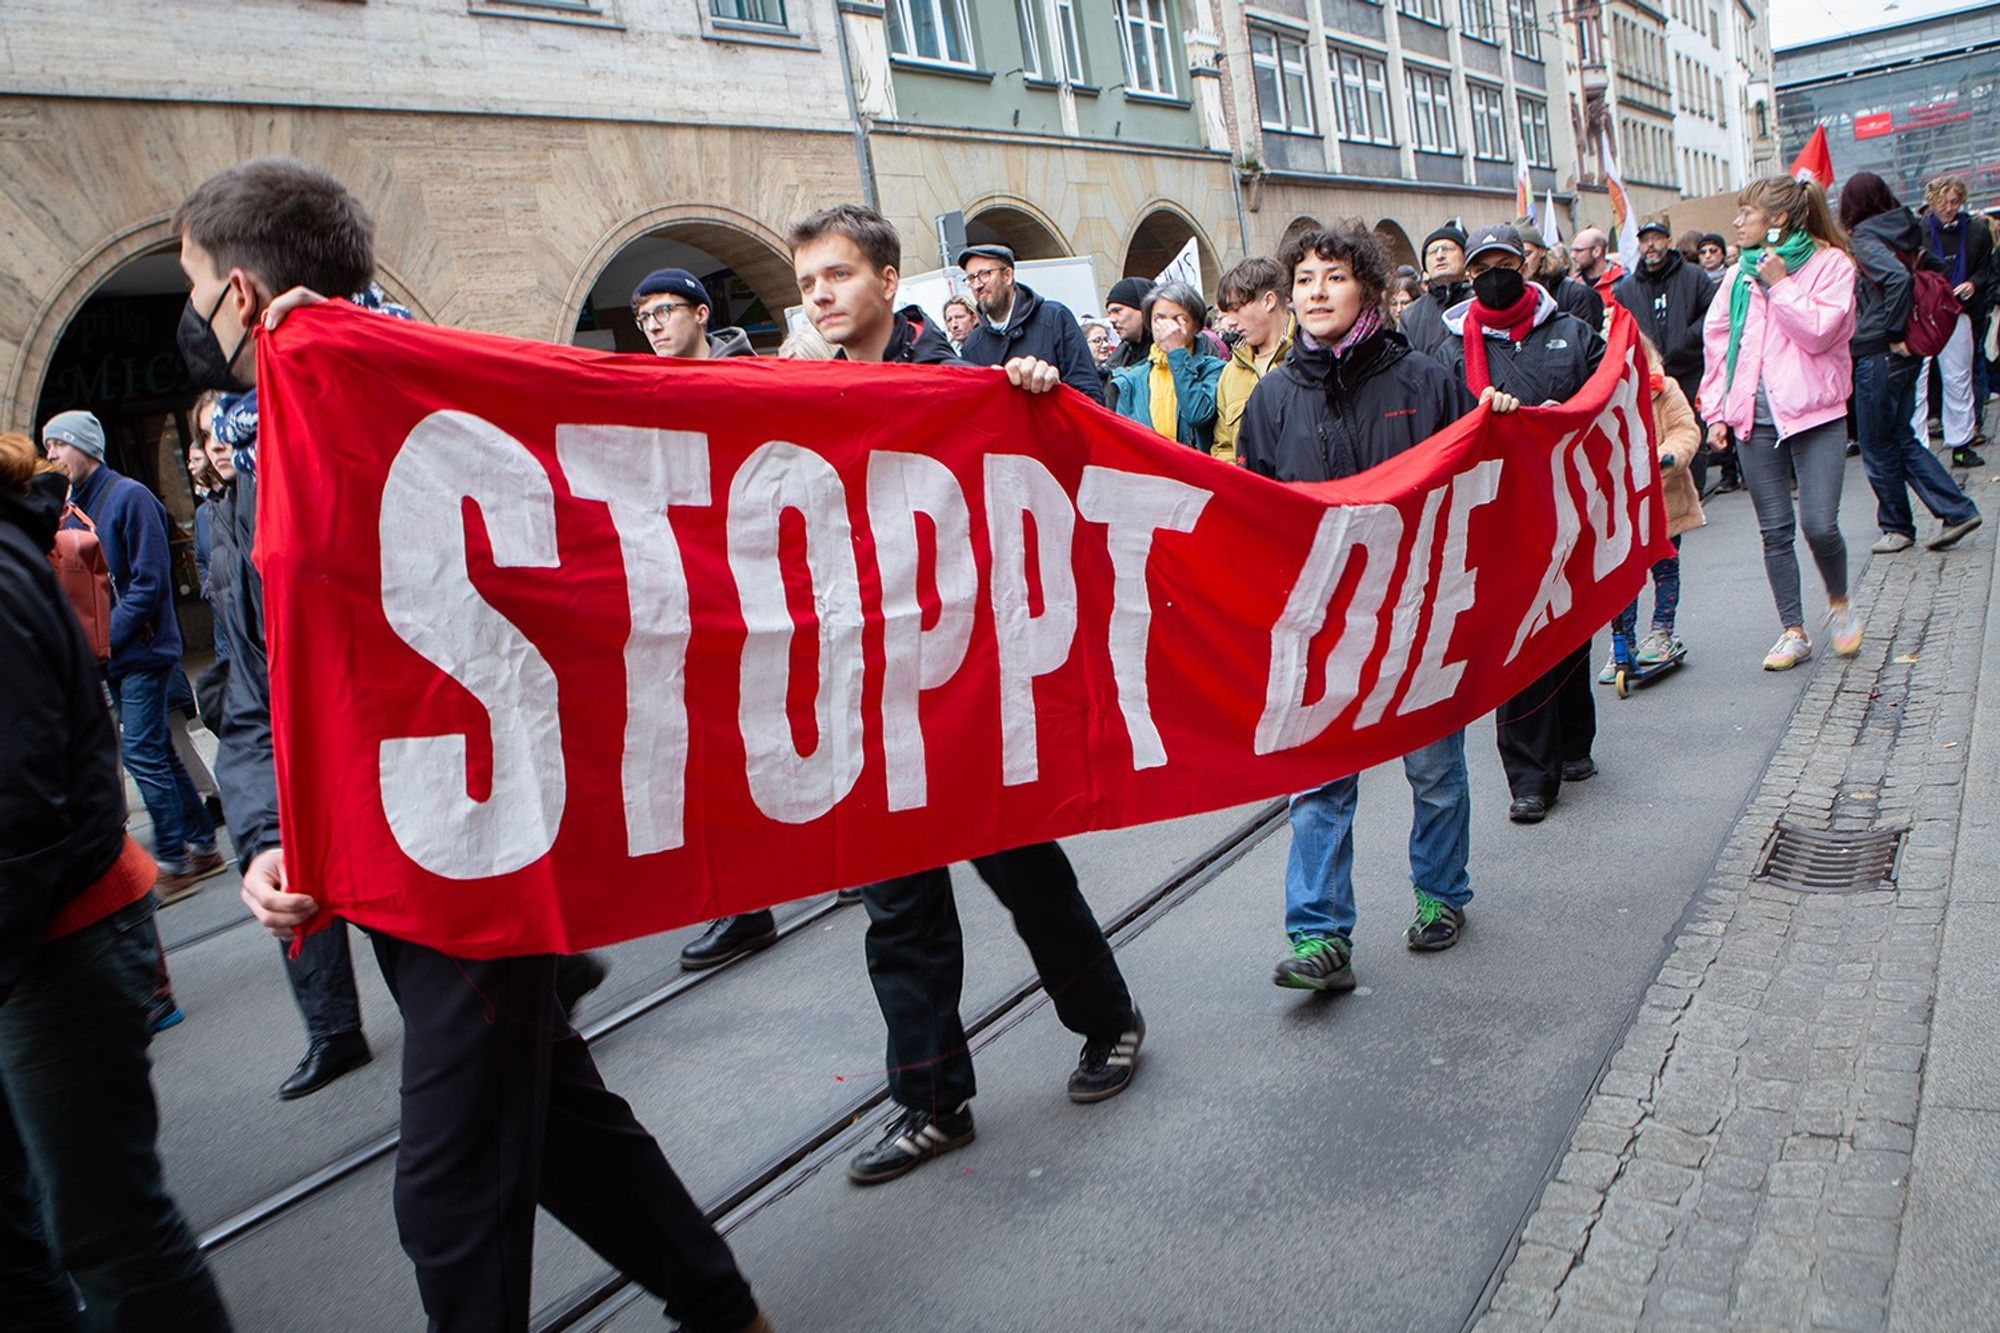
pixel 1891 542
pixel 1845 627
pixel 1610 671
pixel 1791 649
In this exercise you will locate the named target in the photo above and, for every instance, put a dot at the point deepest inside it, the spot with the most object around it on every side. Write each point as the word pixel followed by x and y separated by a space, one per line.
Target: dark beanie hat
pixel 1445 233
pixel 1715 239
pixel 1129 291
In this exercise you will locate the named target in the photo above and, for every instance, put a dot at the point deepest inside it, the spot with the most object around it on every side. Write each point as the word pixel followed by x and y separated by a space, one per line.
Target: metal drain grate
pixel 1810 860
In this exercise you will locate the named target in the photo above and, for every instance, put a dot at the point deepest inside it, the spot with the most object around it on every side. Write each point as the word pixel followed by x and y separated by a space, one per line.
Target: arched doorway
pixel 1160 236
pixel 1028 236
pixel 117 358
pixel 749 283
pixel 1396 243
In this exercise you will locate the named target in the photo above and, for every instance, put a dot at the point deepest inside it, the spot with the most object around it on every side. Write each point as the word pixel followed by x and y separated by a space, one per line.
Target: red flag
pixel 1814 161
pixel 568 648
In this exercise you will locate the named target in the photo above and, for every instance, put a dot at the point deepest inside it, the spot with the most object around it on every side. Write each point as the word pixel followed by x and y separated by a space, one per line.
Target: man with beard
pixel 1015 322
pixel 1670 299
pixel 1444 287
pixel 1591 253
pixel 1548 269
pixel 1125 307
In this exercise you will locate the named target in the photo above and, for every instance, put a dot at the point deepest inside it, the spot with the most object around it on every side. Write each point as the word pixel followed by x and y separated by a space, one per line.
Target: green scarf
pixel 1795 250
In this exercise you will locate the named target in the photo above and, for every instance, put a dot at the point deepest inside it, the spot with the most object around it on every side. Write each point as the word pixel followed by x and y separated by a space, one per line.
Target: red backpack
pixel 1934 311
pixel 86 580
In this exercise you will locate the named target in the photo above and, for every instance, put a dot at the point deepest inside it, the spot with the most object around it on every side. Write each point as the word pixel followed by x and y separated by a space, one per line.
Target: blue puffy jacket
pixel 1195 376
pixel 132 529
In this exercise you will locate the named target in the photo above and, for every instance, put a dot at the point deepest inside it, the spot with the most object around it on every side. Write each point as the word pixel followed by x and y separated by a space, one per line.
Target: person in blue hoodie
pixel 1173 389
pixel 131 527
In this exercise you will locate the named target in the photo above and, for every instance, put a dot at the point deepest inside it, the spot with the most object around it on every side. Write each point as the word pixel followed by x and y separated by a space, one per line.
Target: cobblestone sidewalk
pixel 1745 1159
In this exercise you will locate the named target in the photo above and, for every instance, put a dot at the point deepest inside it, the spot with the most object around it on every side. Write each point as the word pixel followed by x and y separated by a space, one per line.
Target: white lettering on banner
pixel 1017 488
pixel 1376 530
pixel 1437 680
pixel 1552 599
pixel 1133 506
pixel 640 471
pixel 786 785
pixel 901 486
pixel 432 604
pixel 1621 425
pixel 1403 620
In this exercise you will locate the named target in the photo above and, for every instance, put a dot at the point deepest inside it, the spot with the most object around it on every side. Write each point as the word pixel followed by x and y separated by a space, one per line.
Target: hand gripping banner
pixel 569 647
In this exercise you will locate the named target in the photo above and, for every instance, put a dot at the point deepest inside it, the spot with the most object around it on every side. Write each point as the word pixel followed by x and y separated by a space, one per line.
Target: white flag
pixel 1624 224
pixel 1185 268
pixel 1550 232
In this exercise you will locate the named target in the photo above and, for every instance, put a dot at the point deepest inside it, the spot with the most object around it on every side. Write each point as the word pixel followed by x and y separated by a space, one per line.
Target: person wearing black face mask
pixel 1511 337
pixel 207 364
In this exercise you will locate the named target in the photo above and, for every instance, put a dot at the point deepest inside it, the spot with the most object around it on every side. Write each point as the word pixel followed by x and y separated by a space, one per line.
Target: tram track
pixel 594 1305
pixel 206 933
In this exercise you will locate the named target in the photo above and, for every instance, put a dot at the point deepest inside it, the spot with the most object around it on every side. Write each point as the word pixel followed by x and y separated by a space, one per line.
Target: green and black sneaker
pixel 1316 962
pixel 1438 925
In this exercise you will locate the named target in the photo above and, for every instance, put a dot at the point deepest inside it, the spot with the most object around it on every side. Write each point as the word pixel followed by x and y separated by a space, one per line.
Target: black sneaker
pixel 1951 534
pixel 1438 925
pixel 847 897
pixel 1579 770
pixel 729 938
pixel 1316 962
pixel 1529 809
pixel 577 975
pixel 1107 1064
pixel 1967 458
pixel 912 1138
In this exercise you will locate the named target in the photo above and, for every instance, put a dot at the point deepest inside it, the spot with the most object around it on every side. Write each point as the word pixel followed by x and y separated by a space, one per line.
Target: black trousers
pixel 322 978
pixel 916 959
pixel 1550 722
pixel 503 1109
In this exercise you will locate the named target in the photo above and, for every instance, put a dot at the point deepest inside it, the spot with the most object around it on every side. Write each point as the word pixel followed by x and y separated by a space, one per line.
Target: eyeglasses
pixel 655 316
pixel 980 277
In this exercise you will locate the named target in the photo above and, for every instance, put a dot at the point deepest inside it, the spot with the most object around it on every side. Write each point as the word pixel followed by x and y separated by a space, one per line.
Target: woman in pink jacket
pixel 1777 379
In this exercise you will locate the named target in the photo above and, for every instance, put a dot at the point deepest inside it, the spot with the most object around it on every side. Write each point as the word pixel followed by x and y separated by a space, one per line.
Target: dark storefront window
pixel 1907 125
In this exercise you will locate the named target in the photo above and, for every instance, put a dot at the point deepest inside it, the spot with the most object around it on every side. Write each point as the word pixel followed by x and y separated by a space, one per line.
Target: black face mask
pixel 1499 288
pixel 206 364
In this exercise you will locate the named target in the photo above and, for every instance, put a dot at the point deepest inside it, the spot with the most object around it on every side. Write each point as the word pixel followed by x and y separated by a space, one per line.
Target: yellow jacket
pixel 1232 391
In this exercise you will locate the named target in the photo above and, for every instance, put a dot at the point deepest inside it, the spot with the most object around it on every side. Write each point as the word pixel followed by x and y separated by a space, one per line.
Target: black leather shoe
pixel 327 1058
pixel 731 937
pixel 577 975
pixel 848 897
pixel 1576 770
pixel 1529 809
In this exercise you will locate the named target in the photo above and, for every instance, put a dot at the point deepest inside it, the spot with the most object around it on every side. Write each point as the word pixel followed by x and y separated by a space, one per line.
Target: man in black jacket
pixel 1510 337
pixel 1015 323
pixel 1670 299
pixel 1352 395
pixel 1422 323
pixel 1125 307
pixel 846 259
pixel 1547 268
pixel 1963 249
pixel 496 1083
pixel 83 1208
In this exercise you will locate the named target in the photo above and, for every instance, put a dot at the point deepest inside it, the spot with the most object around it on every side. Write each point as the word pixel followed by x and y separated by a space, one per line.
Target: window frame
pixel 1153 18
pixel 1468 12
pixel 1524 30
pixel 1371 96
pixel 897 17
pixel 1536 141
pixel 781 24
pixel 1445 144
pixel 1423 11
pixel 1069 42
pixel 1282 72
pixel 1492 117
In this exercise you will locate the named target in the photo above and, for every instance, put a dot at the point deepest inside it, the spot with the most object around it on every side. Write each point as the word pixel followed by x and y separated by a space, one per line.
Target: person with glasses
pixel 671 308
pixel 1015 322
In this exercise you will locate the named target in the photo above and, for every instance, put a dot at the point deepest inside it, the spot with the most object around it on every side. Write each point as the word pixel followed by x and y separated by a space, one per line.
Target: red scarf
pixel 1516 319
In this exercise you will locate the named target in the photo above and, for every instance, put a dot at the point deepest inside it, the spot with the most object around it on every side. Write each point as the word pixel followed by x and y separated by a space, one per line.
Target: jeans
pixel 1818 458
pixel 916 961
pixel 1954 367
pixel 1666 598
pixel 1319 874
pixel 1896 460
pixel 83 1209
pixel 503 1110
pixel 179 821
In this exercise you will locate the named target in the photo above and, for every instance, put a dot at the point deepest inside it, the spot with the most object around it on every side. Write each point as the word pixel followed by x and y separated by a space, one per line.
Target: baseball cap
pixel 1501 237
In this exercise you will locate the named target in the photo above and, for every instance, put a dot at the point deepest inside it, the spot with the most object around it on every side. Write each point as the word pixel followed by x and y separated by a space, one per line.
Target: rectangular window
pixel 930 30
pixel 1148 45
pixel 1430 11
pixel 1072 48
pixel 1535 132
pixel 1523 25
pixel 771 13
pixel 1031 42
pixel 1432 127
pixel 1475 19
pixel 1489 121
pixel 1284 101
pixel 1361 96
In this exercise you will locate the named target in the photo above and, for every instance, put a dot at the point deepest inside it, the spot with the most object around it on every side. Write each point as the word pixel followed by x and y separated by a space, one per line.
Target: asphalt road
pixel 1359 1162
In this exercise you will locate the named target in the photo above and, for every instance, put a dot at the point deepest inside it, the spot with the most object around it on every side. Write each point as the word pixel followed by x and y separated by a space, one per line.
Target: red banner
pixel 569 647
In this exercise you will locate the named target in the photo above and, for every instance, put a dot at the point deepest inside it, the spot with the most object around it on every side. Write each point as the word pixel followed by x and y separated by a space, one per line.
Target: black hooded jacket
pixel 1579 299
pixel 1320 418
pixel 1885 246
pixel 1422 323
pixel 1042 329
pixel 62 800
pixel 914 344
pixel 1670 304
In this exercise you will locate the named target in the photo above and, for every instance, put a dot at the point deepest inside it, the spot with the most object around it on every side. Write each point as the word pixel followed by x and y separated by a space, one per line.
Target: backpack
pixel 1934 311
pixel 86 580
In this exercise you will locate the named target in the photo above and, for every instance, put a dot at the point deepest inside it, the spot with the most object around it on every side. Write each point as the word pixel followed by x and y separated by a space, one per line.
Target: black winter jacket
pixel 1042 329
pixel 245 763
pixel 1123 355
pixel 1579 299
pixel 1422 324
pixel 1318 418
pixel 1883 291
pixel 1551 364
pixel 1979 262
pixel 62 799
pixel 1671 305
pixel 914 344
